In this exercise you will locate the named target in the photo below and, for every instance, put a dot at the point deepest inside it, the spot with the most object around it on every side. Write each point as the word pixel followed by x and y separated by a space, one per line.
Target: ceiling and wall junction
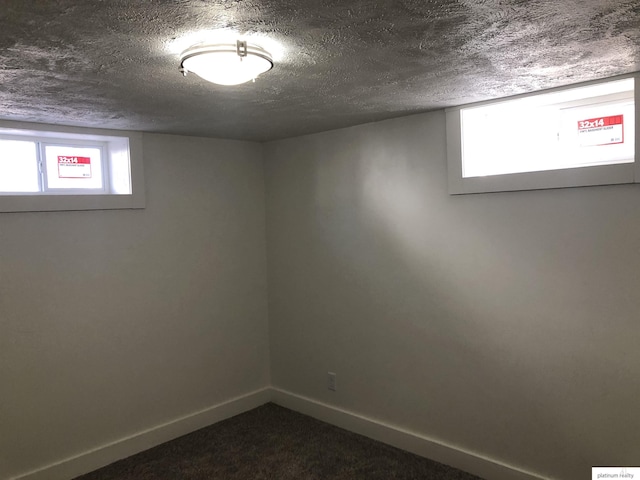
pixel 109 63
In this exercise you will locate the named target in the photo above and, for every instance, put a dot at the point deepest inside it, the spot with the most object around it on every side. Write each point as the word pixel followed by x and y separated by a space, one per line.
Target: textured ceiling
pixel 108 63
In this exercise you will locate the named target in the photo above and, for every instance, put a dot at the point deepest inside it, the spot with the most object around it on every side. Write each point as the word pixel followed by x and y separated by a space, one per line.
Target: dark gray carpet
pixel 275 443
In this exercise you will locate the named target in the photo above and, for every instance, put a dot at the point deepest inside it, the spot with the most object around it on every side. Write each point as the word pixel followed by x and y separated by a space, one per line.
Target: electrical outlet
pixel 331 384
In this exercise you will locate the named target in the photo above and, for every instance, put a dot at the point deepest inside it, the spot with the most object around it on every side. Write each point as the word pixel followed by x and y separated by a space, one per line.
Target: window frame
pixel 116 145
pixel 622 173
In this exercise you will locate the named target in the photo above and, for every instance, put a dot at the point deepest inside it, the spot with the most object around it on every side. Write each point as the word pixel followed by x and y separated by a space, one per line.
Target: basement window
pixel 45 168
pixel 569 137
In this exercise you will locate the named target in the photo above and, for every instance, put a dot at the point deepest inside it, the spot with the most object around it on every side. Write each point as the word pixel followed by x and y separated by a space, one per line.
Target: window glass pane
pixel 598 134
pixel 580 127
pixel 18 166
pixel 73 167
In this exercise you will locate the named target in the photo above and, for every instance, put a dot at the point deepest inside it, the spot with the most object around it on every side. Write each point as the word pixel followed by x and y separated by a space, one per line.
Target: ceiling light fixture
pixel 226 63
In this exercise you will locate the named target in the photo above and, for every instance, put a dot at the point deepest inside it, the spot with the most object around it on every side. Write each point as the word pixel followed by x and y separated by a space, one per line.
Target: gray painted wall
pixel 113 322
pixel 506 324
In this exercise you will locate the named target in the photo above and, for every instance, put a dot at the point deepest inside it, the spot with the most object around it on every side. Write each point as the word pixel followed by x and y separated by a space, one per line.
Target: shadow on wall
pixel 481 317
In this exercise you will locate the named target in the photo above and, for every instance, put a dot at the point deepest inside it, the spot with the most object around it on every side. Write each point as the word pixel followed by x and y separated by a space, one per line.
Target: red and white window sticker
pixel 601 131
pixel 74 167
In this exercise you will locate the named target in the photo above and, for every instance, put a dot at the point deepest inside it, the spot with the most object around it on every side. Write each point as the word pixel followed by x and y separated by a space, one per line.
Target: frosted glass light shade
pixel 226 64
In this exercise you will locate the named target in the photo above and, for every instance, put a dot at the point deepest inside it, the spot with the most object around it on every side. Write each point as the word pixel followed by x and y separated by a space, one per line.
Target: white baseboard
pixel 398 437
pixel 406 440
pixel 106 454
